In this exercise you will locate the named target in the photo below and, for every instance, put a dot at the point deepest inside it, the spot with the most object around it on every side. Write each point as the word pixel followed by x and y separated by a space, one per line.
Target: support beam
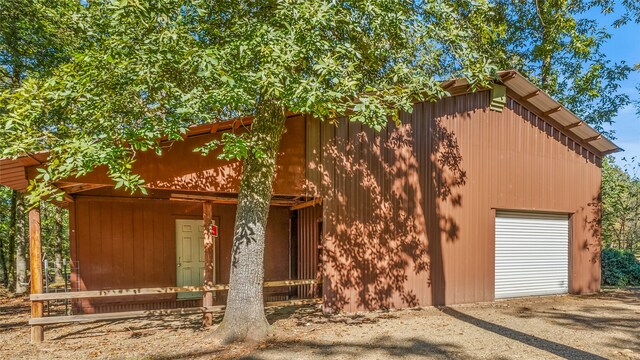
pixel 447 84
pixel 275 201
pixel 571 126
pixel 510 76
pixel 207 297
pixel 35 256
pixel 204 198
pixel 593 138
pixel 87 318
pixel 160 290
pixel 303 205
pixel 552 111
pixel 84 187
pixel 531 95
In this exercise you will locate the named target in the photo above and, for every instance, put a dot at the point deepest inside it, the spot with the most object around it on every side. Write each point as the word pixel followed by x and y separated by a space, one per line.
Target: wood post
pixel 207 298
pixel 35 256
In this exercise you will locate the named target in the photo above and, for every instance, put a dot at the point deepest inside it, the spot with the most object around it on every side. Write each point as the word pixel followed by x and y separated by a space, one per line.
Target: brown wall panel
pixel 409 212
pixel 308 246
pixel 180 168
pixel 128 243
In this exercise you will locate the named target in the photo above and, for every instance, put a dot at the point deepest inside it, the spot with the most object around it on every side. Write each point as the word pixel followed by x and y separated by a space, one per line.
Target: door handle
pixel 179 262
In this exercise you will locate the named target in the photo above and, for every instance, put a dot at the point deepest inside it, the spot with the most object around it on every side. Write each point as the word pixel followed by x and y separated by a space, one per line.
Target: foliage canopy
pixel 143 70
pixel 558 46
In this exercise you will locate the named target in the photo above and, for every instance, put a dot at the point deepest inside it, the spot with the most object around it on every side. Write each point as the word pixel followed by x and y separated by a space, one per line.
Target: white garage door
pixel 532 254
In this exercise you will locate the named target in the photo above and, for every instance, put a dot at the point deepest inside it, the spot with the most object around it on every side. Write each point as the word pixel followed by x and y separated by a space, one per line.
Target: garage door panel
pixel 528 283
pixel 531 254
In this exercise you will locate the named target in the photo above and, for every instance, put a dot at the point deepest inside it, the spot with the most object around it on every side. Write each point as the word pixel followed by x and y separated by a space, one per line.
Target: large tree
pixel 143 70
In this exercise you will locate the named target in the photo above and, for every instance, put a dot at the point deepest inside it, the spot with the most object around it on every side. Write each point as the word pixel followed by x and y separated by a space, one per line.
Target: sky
pixel 625 45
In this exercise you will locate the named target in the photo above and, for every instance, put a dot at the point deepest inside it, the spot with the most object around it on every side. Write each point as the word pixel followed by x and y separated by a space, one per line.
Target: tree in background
pixel 143 70
pixel 556 45
pixel 5 228
pixel 55 240
pixel 621 205
pixel 20 239
pixel 32 42
pixel 14 240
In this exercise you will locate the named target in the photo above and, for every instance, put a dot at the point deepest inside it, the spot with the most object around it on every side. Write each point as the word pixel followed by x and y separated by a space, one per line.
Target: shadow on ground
pixel 551 347
pixel 382 347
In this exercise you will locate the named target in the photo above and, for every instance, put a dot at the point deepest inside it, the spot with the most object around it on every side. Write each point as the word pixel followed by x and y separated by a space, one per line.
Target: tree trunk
pixel 58 239
pixel 3 259
pixel 545 69
pixel 244 317
pixel 22 246
pixel 12 241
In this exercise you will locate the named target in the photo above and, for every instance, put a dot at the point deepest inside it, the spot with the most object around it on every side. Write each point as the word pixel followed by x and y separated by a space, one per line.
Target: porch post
pixel 35 257
pixel 207 299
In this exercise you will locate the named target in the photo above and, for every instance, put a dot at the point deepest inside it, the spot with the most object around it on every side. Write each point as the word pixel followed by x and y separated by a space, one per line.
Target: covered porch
pixel 169 251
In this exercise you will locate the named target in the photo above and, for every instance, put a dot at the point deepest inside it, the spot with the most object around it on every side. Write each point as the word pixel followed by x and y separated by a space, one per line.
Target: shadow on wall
pixel 589 244
pixel 384 195
pixel 222 178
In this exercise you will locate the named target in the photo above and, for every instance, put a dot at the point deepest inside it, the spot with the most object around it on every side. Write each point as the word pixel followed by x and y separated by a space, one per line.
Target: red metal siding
pixel 130 243
pixel 180 168
pixel 409 212
pixel 308 248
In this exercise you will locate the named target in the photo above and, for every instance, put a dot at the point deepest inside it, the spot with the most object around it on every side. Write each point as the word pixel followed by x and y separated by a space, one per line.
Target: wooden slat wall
pixel 409 212
pixel 308 249
pixel 122 243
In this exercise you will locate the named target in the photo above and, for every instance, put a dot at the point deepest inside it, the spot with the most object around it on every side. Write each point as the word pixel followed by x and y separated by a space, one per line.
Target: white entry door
pixel 532 254
pixel 190 255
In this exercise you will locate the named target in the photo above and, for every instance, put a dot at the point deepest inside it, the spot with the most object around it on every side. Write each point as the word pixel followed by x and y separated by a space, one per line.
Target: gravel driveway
pixel 606 325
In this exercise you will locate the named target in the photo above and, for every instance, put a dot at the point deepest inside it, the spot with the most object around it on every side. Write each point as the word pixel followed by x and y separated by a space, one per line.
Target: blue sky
pixel 625 45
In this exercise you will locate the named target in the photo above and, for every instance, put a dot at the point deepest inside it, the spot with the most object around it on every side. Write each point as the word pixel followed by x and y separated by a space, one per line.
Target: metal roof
pixel 527 92
pixel 13 171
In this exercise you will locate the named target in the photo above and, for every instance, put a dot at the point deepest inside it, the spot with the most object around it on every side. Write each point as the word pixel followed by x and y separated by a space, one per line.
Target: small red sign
pixel 214 230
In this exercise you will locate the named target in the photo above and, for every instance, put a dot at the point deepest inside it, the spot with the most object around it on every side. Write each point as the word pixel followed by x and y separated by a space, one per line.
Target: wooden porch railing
pixel 48 320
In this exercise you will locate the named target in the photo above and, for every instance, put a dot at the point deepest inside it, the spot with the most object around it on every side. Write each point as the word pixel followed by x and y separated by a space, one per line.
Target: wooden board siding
pixel 130 243
pixel 308 249
pixel 409 212
pixel 180 168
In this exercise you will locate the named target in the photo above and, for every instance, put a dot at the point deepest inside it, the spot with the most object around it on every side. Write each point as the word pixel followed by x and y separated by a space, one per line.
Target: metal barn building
pixel 476 197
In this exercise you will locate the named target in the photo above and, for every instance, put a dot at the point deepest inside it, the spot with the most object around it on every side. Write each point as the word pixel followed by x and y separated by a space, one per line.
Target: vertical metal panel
pixel 130 243
pixel 308 266
pixel 409 211
pixel 313 157
pixel 182 168
pixel 532 254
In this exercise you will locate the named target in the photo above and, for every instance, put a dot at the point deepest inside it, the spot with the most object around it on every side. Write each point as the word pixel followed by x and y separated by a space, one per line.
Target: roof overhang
pixel 526 92
pixel 13 172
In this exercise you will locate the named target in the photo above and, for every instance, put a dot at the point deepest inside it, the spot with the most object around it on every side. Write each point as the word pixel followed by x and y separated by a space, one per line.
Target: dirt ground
pixel 587 327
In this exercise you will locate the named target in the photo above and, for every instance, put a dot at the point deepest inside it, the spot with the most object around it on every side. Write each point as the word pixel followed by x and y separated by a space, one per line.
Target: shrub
pixel 620 268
